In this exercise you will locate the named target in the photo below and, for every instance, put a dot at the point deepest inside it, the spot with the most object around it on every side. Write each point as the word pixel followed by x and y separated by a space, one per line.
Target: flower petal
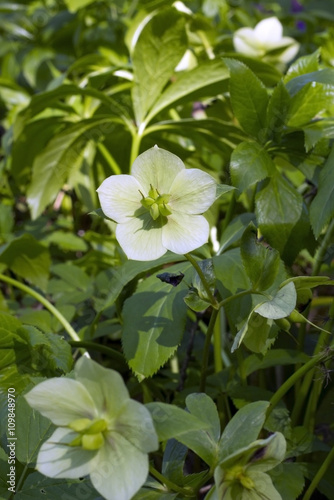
pixel 193 192
pixel 136 425
pixel 120 197
pixel 62 400
pixel 269 30
pixel 60 460
pixel 106 386
pixel 245 42
pixel 291 51
pixel 141 238
pixel 119 469
pixel 157 167
pixel 184 233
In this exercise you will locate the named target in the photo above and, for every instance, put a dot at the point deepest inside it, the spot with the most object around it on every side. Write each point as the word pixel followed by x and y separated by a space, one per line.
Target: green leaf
pixel 173 422
pixel 73 275
pixel 208 271
pixel 129 271
pixel 248 97
pixel 278 211
pixel 75 5
pixel 173 461
pixel 154 319
pixel 243 428
pixel 6 223
pixel 322 207
pixel 190 84
pixel 234 231
pixel 277 112
pixel 55 163
pixel 195 302
pixel 54 489
pixel 32 429
pixel 274 357
pixel 312 100
pixel 250 163
pixel 254 334
pixel 288 479
pixel 281 305
pixel 303 65
pixel 203 442
pixel 261 263
pixel 27 258
pixel 160 47
pixel 324 76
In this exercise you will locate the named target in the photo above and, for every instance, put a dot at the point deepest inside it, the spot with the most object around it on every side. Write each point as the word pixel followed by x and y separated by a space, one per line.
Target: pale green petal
pixel 245 42
pixel 141 238
pixel 60 460
pixel 62 400
pixel 106 386
pixel 120 197
pixel 264 487
pixel 184 233
pixel 157 167
pixel 136 425
pixel 269 31
pixel 119 469
pixel 192 192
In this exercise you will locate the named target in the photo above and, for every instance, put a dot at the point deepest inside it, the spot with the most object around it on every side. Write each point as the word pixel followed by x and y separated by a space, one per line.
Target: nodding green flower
pixel 101 431
pixel 266 41
pixel 159 206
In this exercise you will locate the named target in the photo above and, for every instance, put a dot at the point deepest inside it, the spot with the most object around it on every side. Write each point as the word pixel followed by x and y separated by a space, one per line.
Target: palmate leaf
pixel 59 158
pixel 160 47
pixel 154 320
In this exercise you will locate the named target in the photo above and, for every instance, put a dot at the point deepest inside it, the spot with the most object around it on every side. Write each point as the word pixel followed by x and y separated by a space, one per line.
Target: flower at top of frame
pixel 159 206
pixel 266 41
pixel 101 432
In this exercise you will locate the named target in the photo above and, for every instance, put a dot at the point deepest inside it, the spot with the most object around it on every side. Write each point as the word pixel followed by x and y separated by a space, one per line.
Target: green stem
pixel 200 273
pixel 111 353
pixel 229 213
pixel 236 296
pixel 322 249
pixel 306 385
pixel 170 485
pixel 217 344
pixel 109 158
pixel 319 475
pixel 293 379
pixel 206 351
pixel 53 310
pixel 136 140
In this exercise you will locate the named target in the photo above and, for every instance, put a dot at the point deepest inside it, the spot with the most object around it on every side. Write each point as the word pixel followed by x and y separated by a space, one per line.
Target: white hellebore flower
pixel 101 431
pixel 158 207
pixel 266 37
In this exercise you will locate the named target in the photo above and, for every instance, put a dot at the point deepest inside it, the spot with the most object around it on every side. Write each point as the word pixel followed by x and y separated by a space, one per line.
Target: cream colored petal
pixel 269 30
pixel 119 470
pixel 245 42
pixel 157 167
pixel 120 197
pixel 184 233
pixel 57 459
pixel 62 400
pixel 105 386
pixel 141 238
pixel 291 51
pixel 192 192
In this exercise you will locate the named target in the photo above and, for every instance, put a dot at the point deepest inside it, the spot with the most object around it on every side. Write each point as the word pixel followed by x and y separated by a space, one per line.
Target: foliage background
pixel 81 95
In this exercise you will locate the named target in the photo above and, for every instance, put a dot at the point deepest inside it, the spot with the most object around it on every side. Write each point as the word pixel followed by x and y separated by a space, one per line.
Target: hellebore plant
pixel 242 475
pixel 159 206
pixel 266 41
pixel 101 431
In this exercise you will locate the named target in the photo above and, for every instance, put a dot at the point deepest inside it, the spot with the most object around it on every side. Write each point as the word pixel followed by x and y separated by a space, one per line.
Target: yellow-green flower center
pixel 90 433
pixel 237 473
pixel 156 203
